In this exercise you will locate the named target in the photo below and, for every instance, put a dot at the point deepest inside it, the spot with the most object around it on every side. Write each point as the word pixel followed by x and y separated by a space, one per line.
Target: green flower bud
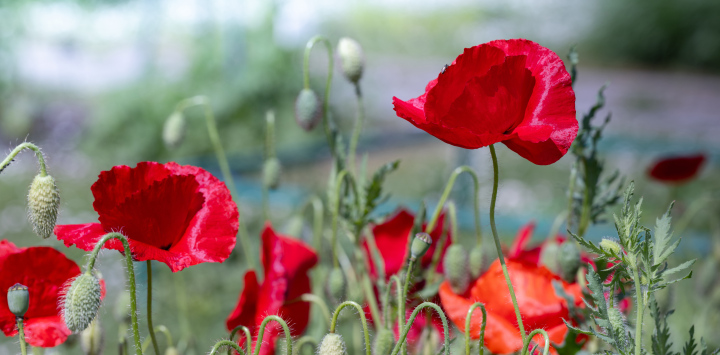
pixel 351 58
pixel 92 339
pixel 420 245
pixel 569 260
pixel 82 302
pixel 456 268
pixel 549 256
pixel 271 173
pixel 617 322
pixel 174 130
pixel 337 285
pixel 332 344
pixel 43 203
pixel 18 298
pixel 476 261
pixel 610 245
pixel 308 109
pixel 384 342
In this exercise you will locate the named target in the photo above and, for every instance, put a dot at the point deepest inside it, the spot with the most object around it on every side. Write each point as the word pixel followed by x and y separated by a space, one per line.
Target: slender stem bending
pixel 446 334
pixel 446 193
pixel 20 148
pixel 361 312
pixel 468 318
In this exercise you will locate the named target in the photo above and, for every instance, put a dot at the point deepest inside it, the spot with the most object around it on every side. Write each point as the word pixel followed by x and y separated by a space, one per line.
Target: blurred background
pixel 92 83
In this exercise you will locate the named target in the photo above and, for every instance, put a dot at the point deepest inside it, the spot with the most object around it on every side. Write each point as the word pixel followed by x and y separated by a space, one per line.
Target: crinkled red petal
pixel 677 169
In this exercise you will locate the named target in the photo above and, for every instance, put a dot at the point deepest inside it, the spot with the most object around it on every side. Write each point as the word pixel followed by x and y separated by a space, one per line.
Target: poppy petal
pixel 677 169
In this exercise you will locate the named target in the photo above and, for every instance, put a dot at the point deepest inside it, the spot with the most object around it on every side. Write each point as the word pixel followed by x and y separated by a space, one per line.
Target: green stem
pixel 21 147
pixel 386 299
pixel 306 82
pixel 361 312
pixel 497 242
pixel 370 297
pixel 403 300
pixel 444 237
pixel 318 211
pixel 269 154
pixel 151 329
pixel 309 297
pixel 375 256
pixel 571 197
pixel 246 331
pixel 130 276
pixel 227 343
pixel 21 336
pixel 305 340
pixel 640 310
pixel 357 128
pixel 438 209
pixel 164 330
pixel 336 209
pixel 526 342
pixel 468 318
pixel 414 314
pixel 288 337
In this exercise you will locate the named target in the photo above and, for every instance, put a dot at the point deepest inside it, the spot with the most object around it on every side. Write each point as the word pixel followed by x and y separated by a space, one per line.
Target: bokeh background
pixel 92 83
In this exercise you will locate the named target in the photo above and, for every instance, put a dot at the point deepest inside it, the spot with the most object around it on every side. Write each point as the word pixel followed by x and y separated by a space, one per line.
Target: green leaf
pixel 690 347
pixel 679 268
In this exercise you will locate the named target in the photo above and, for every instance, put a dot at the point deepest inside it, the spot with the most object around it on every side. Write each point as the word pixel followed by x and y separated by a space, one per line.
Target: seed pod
pixel 569 260
pixel 476 261
pixel 271 173
pixel 420 245
pixel 331 344
pixel 82 302
pixel 337 285
pixel 308 109
pixel 351 59
pixel 610 245
pixel 43 203
pixel 92 339
pixel 456 268
pixel 384 342
pixel 174 130
pixel 18 299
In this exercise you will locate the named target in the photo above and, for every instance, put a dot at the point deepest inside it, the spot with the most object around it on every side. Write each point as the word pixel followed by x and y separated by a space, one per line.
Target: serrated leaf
pixel 662 238
pixel 679 268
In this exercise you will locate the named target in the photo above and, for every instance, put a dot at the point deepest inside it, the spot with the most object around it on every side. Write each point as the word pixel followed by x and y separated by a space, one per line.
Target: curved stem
pixel 246 331
pixel 438 209
pixel 497 242
pixel 168 336
pixel 21 336
pixel 414 314
pixel 309 297
pixel 151 329
pixel 371 301
pixel 526 342
pixel 228 343
pixel 403 300
pixel 306 82
pixel 357 128
pixel 468 318
pixel 318 211
pixel 305 340
pixel 288 337
pixel 336 209
pixel 130 276
pixel 386 299
pixel 363 320
pixel 26 145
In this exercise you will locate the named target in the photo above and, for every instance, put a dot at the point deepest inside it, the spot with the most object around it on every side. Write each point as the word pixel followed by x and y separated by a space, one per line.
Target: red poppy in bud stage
pixel 45 271
pixel 286 262
pixel 392 238
pixel 676 169
pixel 521 252
pixel 175 214
pixel 540 306
pixel 511 91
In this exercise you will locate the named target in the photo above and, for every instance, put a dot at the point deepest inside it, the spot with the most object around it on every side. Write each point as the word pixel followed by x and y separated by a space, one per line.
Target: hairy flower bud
pixel 18 298
pixel 332 344
pixel 549 256
pixel 420 245
pixel 337 285
pixel 308 109
pixel 82 302
pixel 43 203
pixel 351 58
pixel 456 268
pixel 569 260
pixel 271 173
pixel 617 322
pixel 476 261
pixel 174 130
pixel 610 245
pixel 92 339
pixel 384 342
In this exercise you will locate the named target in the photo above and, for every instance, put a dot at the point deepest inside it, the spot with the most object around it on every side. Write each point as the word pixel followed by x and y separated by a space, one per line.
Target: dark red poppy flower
pixel 676 169
pixel 45 271
pixel 286 262
pixel 175 214
pixel 521 251
pixel 511 91
pixel 539 305
pixel 392 239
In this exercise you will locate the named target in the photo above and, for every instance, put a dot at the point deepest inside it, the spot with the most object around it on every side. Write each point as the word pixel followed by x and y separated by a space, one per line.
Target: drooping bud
pixel 476 261
pixel 456 270
pixel 43 203
pixel 549 256
pixel 610 245
pixel 174 130
pixel 332 344
pixel 617 322
pixel 351 58
pixel 420 245
pixel 308 109
pixel 337 285
pixel 384 342
pixel 82 301
pixel 92 339
pixel 569 260
pixel 18 299
pixel 271 173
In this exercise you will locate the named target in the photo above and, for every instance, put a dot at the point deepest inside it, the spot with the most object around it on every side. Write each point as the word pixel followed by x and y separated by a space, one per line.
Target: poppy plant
pixel 542 308
pixel 175 214
pixel 676 169
pixel 286 262
pixel 511 91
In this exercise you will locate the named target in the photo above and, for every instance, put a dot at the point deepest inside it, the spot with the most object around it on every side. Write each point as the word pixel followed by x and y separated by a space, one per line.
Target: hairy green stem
pixel 386 299
pixel 227 343
pixel 497 242
pixel 286 329
pixel 318 211
pixel 526 342
pixel 448 188
pixel 357 128
pixel 361 312
pixel 468 318
pixel 309 297
pixel 151 329
pixel 305 340
pixel 20 148
pixel 21 336
pixel 639 309
pixel 246 331
pixel 403 300
pixel 306 82
pixel 343 175
pixel 370 297
pixel 414 314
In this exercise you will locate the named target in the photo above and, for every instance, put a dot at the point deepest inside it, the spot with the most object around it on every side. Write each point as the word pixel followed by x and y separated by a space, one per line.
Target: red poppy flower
pixel 511 91
pixel 175 214
pixel 286 262
pixel 45 271
pixel 520 250
pixel 540 306
pixel 677 169
pixel 392 238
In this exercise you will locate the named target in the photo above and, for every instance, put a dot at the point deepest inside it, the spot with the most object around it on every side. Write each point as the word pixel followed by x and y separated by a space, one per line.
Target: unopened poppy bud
pixel 476 261
pixel 455 267
pixel 172 351
pixel 610 245
pixel 271 173
pixel 420 245
pixel 351 58
pixel 82 301
pixel 617 322
pixel 43 203
pixel 18 298
pixel 549 256
pixel 337 285
pixel 174 130
pixel 569 260
pixel 384 342
pixel 308 109
pixel 332 344
pixel 92 339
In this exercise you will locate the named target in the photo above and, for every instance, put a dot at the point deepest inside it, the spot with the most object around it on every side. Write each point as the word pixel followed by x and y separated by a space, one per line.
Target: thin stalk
pixel 309 297
pixel 526 342
pixel 357 128
pixel 151 329
pixel 318 211
pixel 336 209
pixel 571 197
pixel 305 340
pixel 402 300
pixel 375 256
pixel 468 318
pixel 246 331
pixel 227 343
pixel 440 247
pixel 21 336
pixel 20 148
pixel 448 188
pixel 286 329
pixel 306 82
pixel 386 299
pixel 269 154
pixel 414 314
pixel 497 243
pixel 370 297
pixel 640 310
pixel 361 312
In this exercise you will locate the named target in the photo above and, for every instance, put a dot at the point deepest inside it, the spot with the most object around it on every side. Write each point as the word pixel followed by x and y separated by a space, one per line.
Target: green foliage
pixel 661 344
